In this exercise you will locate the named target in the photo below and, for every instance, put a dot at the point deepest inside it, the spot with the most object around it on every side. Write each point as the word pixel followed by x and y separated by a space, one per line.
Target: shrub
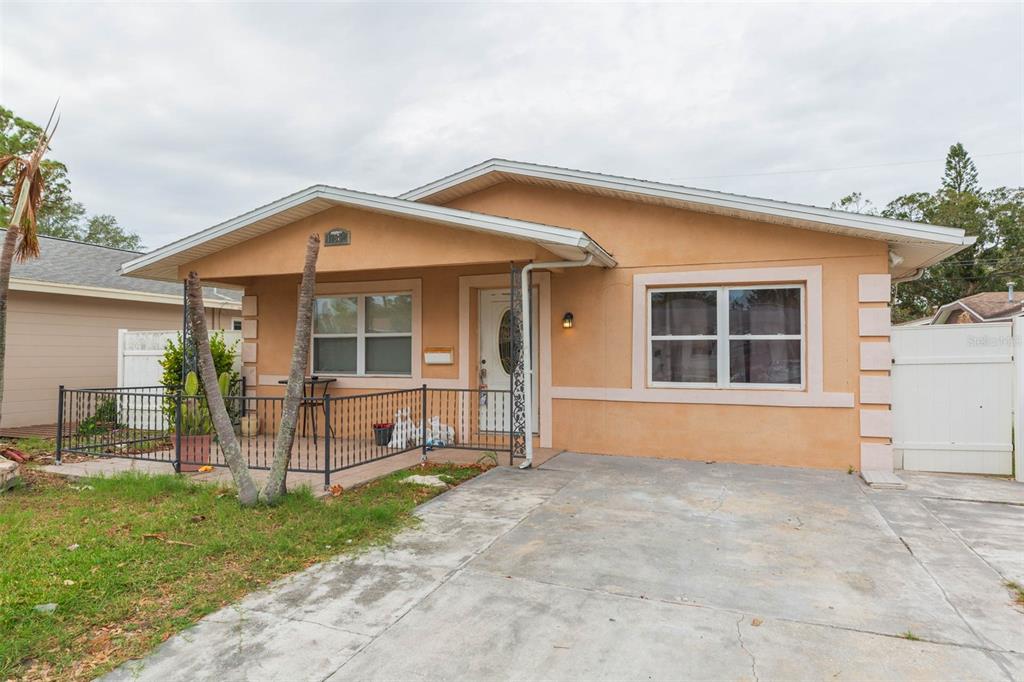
pixel 223 362
pixel 104 419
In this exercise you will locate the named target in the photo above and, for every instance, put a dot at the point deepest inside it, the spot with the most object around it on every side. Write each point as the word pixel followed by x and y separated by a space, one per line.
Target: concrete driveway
pixel 629 568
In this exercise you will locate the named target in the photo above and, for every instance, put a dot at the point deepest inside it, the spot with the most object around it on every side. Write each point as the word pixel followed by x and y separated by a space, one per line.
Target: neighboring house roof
pixel 913 245
pixel 988 306
pixel 163 262
pixel 78 269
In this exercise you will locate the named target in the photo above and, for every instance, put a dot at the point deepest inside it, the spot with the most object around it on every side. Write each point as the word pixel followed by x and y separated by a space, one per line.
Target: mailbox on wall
pixel 439 356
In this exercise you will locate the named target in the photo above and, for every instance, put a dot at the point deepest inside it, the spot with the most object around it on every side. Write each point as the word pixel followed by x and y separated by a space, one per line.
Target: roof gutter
pixel 62 289
pixel 912 277
pixel 527 350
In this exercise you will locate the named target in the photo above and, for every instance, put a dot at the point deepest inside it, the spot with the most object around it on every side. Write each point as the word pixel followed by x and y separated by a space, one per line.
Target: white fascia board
pixel 944 311
pixel 62 289
pixel 736 202
pixel 517 229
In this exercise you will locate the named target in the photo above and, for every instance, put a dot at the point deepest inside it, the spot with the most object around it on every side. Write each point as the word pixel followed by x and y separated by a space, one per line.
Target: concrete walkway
pixel 629 568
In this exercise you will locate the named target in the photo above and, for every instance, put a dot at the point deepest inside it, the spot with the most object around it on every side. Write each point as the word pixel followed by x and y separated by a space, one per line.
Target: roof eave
pixel 516 229
pixel 904 230
pixel 128 295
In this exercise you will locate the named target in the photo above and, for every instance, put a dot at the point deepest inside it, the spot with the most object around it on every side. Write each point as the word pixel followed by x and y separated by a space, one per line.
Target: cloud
pixel 176 117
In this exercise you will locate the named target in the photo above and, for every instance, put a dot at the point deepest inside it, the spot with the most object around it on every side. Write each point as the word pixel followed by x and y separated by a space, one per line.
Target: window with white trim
pixel 363 334
pixel 726 337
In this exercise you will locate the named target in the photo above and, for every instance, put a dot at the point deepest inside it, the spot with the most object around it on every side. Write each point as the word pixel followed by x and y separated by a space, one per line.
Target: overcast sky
pixel 179 116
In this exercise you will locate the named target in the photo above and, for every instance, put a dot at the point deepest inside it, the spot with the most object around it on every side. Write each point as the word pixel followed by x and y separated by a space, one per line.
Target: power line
pixel 997 261
pixel 837 168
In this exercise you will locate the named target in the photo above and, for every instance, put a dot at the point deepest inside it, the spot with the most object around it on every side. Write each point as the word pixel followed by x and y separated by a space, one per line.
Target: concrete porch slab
pixel 885 480
pixel 346 478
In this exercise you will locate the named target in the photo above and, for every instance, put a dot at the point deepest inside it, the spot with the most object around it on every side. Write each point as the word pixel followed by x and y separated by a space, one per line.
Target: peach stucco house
pixel 703 326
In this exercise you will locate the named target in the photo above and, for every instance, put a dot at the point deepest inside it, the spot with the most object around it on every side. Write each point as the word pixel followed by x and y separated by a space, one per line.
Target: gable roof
pixel 988 306
pixel 79 269
pixel 163 262
pixel 914 245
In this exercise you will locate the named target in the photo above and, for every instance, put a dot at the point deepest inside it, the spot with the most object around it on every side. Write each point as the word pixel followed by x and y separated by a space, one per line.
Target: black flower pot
pixel 382 435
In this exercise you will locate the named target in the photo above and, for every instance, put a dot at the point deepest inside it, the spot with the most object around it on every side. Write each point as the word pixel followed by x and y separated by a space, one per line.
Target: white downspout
pixel 528 342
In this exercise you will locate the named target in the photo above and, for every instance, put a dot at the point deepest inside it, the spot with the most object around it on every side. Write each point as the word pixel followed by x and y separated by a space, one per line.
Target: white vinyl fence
pixel 138 364
pixel 956 395
pixel 139 353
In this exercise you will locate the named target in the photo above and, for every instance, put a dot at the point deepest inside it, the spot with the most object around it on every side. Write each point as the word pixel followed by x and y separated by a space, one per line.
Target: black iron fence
pixel 332 433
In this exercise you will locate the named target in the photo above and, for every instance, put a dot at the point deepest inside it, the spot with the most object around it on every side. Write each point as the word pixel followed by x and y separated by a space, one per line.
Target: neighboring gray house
pixel 64 313
pixel 988 306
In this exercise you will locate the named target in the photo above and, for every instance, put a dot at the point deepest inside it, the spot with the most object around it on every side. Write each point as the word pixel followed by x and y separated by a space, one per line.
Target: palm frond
pixel 28 191
pixel 47 133
pixel 11 160
pixel 28 245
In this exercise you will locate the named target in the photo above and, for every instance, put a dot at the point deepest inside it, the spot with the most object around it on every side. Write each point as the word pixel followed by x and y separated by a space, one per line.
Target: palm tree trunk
pixel 6 261
pixel 247 493
pixel 275 485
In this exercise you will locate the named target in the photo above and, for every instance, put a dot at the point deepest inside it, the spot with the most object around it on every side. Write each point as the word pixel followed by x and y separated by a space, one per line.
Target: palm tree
pixel 248 495
pixel 274 487
pixel 21 241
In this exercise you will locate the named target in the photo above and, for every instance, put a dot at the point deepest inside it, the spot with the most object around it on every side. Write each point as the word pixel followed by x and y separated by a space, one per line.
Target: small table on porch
pixel 309 391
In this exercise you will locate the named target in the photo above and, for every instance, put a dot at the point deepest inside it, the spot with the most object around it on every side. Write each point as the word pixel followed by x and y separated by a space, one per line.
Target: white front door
pixel 496 359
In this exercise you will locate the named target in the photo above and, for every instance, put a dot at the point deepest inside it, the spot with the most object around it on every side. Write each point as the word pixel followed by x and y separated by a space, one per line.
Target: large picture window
pixel 363 334
pixel 721 337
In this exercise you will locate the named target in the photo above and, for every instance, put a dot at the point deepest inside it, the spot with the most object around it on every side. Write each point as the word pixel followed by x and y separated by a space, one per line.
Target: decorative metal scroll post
pixel 189 355
pixel 517 423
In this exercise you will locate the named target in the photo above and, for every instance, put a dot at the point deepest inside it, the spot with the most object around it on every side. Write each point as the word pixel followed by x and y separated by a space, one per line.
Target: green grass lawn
pixel 131 559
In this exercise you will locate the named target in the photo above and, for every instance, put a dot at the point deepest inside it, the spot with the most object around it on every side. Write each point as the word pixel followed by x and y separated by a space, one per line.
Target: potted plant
pixel 382 433
pixel 196 426
pixel 250 426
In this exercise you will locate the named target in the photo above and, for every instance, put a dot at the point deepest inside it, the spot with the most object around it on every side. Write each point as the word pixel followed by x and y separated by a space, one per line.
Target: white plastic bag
pixel 406 433
pixel 439 435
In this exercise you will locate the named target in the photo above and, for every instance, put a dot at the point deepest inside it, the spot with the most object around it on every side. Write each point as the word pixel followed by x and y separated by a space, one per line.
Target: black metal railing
pixel 333 432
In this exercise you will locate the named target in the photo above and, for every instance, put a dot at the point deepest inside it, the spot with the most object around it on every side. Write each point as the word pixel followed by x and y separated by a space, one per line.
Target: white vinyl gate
pixel 954 392
pixel 138 364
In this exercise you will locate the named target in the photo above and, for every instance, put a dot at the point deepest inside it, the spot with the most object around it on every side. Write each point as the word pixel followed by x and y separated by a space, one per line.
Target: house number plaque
pixel 338 237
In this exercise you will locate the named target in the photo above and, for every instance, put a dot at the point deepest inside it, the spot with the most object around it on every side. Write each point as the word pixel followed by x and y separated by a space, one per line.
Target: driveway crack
pixel 690 604
pixel 984 641
pixel 753 660
pixel 719 501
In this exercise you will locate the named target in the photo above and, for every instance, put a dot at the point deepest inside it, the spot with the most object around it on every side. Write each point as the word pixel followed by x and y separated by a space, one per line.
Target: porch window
pixel 363 334
pixel 722 337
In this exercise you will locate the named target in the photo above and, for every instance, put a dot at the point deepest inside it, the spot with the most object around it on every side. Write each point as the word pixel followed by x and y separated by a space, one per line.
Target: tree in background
pixel 59 215
pixel 995 217
pixel 103 229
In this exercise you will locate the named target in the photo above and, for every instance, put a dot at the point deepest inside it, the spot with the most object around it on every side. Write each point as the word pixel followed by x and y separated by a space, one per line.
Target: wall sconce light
pixel 567 321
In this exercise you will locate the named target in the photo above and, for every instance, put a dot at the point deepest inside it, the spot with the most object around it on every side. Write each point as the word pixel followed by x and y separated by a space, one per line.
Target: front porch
pixel 342 440
pixel 401 299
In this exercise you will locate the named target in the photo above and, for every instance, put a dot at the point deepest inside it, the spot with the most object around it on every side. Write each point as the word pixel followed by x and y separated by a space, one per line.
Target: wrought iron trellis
pixel 189 352
pixel 517 427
